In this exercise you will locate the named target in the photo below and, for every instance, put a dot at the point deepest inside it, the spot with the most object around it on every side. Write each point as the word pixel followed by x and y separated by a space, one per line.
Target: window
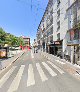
pixel 51 21
pixel 78 4
pixel 58 25
pixel 51 31
pixel 58 36
pixel 58 14
pixel 51 39
pixel 58 3
pixel 48 33
pixel 76 34
pixel 51 12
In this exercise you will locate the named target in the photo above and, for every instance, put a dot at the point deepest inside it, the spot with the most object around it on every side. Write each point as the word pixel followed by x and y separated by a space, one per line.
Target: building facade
pixel 55 32
pixel 73 42
pixel 26 41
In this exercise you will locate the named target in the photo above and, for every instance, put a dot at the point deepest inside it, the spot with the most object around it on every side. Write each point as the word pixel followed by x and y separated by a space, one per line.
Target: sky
pixel 22 17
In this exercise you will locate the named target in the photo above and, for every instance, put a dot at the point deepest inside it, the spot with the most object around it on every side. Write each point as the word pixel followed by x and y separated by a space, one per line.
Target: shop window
pixel 71 35
pixel 76 34
pixel 51 39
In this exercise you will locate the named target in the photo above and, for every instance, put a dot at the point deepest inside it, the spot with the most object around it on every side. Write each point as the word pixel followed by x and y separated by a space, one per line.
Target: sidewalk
pixel 6 62
pixel 70 68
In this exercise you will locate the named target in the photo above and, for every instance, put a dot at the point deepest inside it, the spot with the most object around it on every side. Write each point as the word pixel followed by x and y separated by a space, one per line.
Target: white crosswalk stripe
pixel 6 76
pixel 60 62
pixel 15 84
pixel 41 73
pixel 49 69
pixel 30 80
pixel 57 68
pixel 32 54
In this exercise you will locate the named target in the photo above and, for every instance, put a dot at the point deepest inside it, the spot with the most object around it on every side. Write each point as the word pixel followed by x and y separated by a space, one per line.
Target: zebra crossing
pixel 41 73
pixel 30 80
pixel 6 76
pixel 16 80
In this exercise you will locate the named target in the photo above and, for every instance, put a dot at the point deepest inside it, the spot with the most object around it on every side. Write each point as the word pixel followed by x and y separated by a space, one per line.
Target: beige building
pixel 26 41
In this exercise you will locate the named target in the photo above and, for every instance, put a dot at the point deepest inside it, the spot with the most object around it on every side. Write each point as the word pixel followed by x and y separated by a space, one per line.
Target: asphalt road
pixel 34 73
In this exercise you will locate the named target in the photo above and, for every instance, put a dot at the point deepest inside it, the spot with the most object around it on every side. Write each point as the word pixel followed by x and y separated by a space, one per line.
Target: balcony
pixel 58 3
pixel 50 22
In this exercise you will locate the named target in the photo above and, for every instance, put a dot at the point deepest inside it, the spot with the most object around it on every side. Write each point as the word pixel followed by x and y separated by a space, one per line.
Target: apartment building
pixel 73 42
pixel 45 29
pixel 55 32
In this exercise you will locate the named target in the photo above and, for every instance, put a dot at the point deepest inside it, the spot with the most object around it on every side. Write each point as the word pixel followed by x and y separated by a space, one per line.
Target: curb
pixel 18 57
pixel 2 70
pixel 43 54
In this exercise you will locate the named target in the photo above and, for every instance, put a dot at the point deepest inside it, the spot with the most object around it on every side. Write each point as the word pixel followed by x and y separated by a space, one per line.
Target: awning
pixel 72 44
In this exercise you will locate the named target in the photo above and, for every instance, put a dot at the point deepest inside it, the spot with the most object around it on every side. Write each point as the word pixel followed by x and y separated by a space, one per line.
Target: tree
pixel 20 41
pixel 11 40
pixel 2 36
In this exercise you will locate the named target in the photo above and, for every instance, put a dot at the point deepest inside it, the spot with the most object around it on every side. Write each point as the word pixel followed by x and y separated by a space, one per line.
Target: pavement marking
pixel 15 84
pixel 60 62
pixel 42 75
pixel 32 54
pixel 49 69
pixel 6 76
pixel 77 74
pixel 30 80
pixel 57 68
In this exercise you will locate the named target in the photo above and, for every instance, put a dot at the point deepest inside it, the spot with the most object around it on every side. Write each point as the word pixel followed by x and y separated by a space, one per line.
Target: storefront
pixel 55 48
pixel 74 45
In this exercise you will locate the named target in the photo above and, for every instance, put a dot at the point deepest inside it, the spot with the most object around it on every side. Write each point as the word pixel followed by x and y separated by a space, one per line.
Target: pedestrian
pixel 34 49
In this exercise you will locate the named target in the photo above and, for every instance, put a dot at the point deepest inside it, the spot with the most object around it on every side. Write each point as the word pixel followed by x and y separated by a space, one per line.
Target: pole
pixel 74 56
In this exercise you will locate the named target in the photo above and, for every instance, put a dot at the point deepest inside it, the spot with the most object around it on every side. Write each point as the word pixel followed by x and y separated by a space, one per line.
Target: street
pixel 34 73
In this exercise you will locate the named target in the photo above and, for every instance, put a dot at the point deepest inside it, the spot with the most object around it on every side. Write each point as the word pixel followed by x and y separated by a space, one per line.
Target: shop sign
pixel 57 42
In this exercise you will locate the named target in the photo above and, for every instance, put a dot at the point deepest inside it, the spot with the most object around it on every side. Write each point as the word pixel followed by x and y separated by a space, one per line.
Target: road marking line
pixel 57 68
pixel 6 76
pixel 60 62
pixel 49 69
pixel 42 75
pixel 30 80
pixel 32 54
pixel 15 84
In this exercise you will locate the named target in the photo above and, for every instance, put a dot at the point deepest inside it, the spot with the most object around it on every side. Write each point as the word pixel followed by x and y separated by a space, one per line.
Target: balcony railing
pixel 50 23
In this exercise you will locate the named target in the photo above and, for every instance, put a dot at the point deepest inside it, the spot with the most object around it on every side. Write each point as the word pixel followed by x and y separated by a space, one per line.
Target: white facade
pixel 63 23
pixel 58 30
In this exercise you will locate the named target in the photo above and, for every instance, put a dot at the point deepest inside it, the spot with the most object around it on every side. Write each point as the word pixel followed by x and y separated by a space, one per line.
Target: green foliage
pixel 2 36
pixel 20 41
pixel 11 40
